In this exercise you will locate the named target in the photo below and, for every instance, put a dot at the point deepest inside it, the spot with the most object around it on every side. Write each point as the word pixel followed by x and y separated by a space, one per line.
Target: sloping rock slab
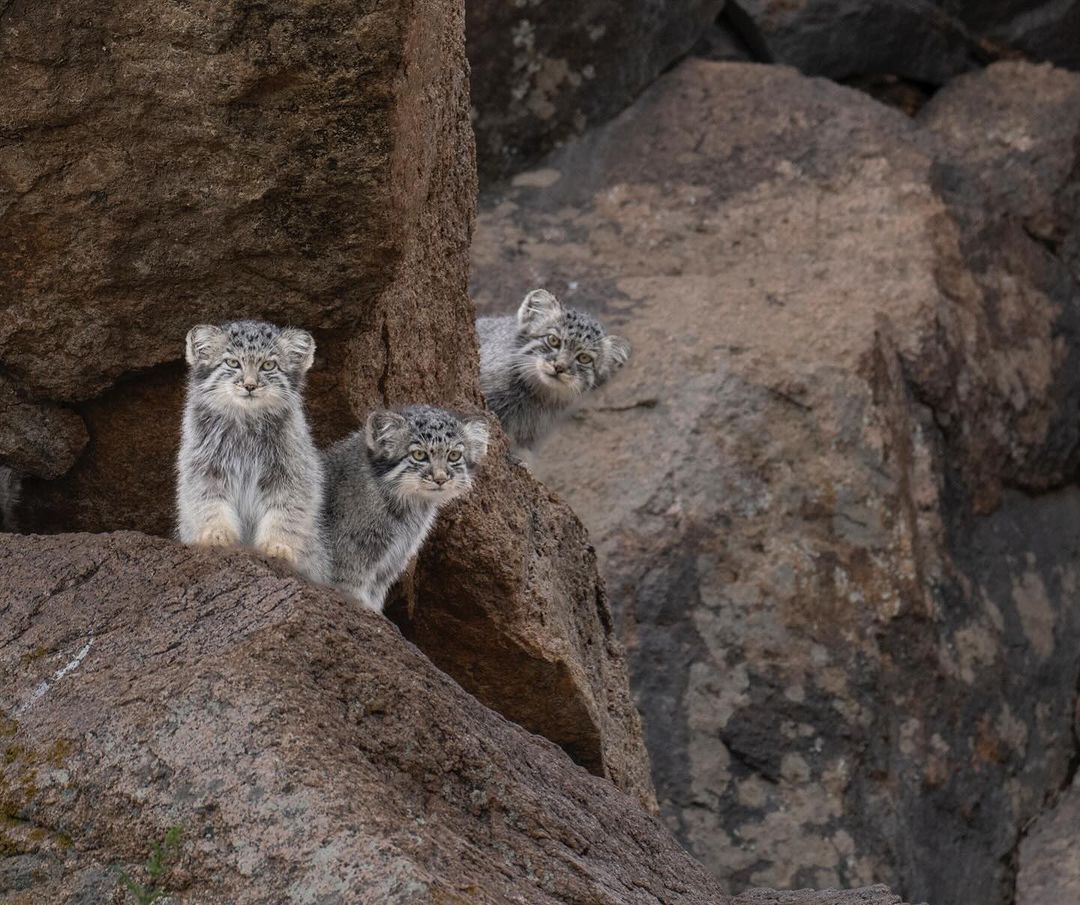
pixel 506 598
pixel 306 751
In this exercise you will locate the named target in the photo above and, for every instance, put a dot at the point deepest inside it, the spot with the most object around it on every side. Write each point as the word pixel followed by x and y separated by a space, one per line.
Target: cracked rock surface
pixel 832 493
pixel 306 751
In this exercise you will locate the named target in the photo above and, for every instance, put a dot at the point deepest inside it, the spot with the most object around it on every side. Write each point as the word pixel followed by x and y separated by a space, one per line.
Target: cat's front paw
pixel 281 550
pixel 217 536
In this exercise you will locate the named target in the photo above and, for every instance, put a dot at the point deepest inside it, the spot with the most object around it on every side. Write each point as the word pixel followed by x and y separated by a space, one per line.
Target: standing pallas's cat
pixel 384 487
pixel 536 366
pixel 249 473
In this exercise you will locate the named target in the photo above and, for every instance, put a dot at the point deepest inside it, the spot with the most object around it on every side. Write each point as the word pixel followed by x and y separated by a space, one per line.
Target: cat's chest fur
pixel 400 542
pixel 246 458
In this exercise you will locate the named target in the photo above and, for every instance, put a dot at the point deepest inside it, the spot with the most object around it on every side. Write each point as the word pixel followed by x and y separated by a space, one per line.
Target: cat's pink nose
pixel 250 386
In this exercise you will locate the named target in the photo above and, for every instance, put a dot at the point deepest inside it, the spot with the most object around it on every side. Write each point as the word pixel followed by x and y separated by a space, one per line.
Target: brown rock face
pixel 832 492
pixel 161 167
pixel 542 72
pixel 307 164
pixel 305 751
pixel 506 599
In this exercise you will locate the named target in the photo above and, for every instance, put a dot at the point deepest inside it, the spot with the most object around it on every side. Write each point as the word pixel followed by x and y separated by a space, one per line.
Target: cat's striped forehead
pixel 250 336
pixel 432 426
pixel 582 327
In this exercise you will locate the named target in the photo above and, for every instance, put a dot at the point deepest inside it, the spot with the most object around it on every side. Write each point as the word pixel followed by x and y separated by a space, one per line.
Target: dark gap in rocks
pixel 739 22
pixel 906 95
pixel 722 42
pixel 1050 243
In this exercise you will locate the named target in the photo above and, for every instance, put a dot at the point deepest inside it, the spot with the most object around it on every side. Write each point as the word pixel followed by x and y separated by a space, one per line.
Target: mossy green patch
pixel 36 654
pixel 59 752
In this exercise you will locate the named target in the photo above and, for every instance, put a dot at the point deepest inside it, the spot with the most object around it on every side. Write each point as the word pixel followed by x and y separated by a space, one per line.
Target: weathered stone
pixel 542 72
pixel 877 895
pixel 42 440
pixel 506 599
pixel 306 164
pixel 1049 856
pixel 831 493
pixel 163 166
pixel 305 750
pixel 929 41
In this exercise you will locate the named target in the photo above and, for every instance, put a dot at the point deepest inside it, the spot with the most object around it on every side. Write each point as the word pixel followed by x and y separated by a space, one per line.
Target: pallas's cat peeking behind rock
pixel 249 473
pixel 384 487
pixel 536 366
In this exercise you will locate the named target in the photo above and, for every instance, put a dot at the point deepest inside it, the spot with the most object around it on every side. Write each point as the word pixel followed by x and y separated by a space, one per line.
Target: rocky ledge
pixel 305 750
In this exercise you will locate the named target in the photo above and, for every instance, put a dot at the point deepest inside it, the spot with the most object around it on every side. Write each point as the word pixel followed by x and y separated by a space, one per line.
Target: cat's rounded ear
pixel 386 433
pixel 476 433
pixel 204 343
pixel 538 305
pixel 616 354
pixel 299 346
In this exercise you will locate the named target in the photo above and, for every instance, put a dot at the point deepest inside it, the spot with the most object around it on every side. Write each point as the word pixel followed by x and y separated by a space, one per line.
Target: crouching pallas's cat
pixel 249 473
pixel 385 486
pixel 536 366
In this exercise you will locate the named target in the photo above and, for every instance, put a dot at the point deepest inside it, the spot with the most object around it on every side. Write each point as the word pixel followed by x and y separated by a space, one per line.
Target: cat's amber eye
pixel 419 455
pixel 454 456
pixel 232 362
pixel 554 341
pixel 268 365
pixel 585 358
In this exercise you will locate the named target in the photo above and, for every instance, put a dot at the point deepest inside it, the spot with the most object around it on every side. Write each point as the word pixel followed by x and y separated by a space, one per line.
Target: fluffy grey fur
pixel 10 488
pixel 249 473
pixel 386 484
pixel 535 367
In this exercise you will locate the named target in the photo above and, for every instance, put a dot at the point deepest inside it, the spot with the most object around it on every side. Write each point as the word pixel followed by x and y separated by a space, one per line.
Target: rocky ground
pixel 306 751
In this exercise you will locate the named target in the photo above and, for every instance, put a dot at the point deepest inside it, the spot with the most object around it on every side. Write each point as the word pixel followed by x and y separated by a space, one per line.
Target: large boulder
pixel 305 751
pixel 927 41
pixel 307 164
pixel 544 71
pixel 506 599
pixel 163 166
pixel 832 492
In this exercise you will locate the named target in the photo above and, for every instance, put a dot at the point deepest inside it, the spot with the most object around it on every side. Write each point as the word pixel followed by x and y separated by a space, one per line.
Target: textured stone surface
pixel 928 41
pixel 877 895
pixel 309 164
pixel 1049 857
pixel 304 748
pixel 162 166
pixel 506 599
pixel 831 493
pixel 41 440
pixel 545 71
